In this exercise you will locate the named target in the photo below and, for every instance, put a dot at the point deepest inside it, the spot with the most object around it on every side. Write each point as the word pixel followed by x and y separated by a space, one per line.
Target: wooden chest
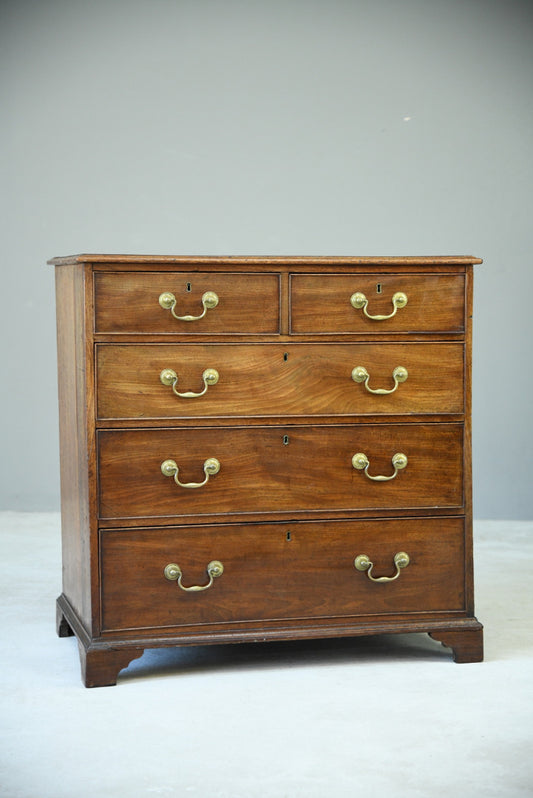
pixel 259 449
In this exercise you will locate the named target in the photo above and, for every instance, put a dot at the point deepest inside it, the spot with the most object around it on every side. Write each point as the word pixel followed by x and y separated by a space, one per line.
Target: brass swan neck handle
pixel 169 377
pixel 174 573
pixel 168 302
pixel 171 469
pixel 363 563
pixel 360 374
pixel 359 301
pixel 361 462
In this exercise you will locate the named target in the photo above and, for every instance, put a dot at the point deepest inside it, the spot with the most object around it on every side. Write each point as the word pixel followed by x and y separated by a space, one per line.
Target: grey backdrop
pixel 174 127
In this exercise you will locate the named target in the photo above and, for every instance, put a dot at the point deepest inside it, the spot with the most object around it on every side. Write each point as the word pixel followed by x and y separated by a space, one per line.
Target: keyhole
pixel 288 536
pixel 378 288
pixel 285 356
pixel 188 286
pixel 285 440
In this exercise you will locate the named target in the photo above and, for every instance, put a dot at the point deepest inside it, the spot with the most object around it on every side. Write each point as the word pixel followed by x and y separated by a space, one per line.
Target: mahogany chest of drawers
pixel 259 449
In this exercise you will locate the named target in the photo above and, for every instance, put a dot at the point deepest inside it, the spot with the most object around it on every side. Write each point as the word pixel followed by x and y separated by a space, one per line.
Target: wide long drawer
pixel 403 303
pixel 151 381
pixel 215 471
pixel 278 571
pixel 183 303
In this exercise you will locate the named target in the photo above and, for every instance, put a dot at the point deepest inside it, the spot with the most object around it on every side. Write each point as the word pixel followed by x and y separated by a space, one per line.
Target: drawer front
pixel 128 302
pixel 322 303
pixel 277 469
pixel 271 572
pixel 273 380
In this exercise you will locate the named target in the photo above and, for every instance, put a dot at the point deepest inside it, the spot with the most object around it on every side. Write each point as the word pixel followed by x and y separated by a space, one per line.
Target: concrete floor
pixel 378 716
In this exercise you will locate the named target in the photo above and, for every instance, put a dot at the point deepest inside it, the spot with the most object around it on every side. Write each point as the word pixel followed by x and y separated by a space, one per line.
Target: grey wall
pixel 283 127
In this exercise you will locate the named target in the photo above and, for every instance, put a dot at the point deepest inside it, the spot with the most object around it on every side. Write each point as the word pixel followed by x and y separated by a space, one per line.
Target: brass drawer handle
pixel 362 563
pixel 359 300
pixel 361 462
pixel 360 374
pixel 169 377
pixel 170 469
pixel 173 574
pixel 168 302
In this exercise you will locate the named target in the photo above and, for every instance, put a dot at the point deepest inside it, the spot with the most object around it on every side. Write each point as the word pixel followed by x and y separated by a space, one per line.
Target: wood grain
pixel 291 571
pixel 321 304
pixel 75 448
pixel 261 474
pixel 278 380
pixel 214 261
pixel 129 303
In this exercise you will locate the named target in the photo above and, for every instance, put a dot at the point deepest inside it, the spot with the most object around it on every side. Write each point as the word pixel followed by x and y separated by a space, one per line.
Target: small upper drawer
pixel 208 303
pixel 338 303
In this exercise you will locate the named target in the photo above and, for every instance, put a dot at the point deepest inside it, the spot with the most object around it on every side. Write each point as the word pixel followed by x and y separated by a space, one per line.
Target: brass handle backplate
pixel 168 302
pixel 360 374
pixel 169 377
pixel 174 574
pixel 361 462
pixel 363 563
pixel 359 300
pixel 170 469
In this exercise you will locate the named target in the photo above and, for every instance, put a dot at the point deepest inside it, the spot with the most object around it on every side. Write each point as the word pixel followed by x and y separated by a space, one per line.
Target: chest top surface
pixel 156 261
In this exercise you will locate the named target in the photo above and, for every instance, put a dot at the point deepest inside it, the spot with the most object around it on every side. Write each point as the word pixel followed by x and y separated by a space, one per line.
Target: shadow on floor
pixel 302 653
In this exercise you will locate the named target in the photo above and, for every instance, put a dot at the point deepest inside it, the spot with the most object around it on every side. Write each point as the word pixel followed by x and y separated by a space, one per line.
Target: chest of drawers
pixel 259 449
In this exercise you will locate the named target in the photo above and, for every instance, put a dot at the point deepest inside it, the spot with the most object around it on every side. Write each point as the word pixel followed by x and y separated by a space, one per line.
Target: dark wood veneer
pixel 285 571
pixel 287 513
pixel 279 471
